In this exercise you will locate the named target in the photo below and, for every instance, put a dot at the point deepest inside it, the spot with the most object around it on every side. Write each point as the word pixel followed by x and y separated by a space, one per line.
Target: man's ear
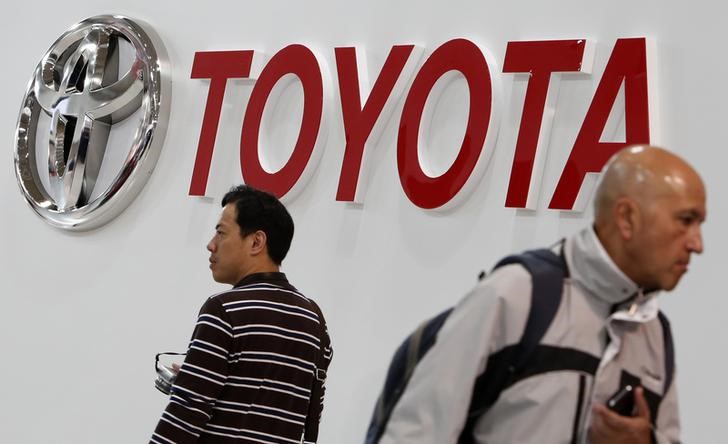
pixel 260 242
pixel 626 217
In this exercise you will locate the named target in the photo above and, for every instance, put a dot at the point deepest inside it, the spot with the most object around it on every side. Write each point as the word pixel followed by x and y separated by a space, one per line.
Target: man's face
pixel 669 234
pixel 229 258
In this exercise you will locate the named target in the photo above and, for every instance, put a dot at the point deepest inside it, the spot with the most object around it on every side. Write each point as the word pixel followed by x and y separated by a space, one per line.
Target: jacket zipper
pixel 579 408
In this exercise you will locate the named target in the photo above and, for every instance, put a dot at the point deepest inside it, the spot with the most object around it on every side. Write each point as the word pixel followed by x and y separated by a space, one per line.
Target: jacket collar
pixel 274 278
pixel 594 269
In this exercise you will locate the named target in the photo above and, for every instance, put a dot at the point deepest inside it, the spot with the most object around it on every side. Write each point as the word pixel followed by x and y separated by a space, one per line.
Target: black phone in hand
pixel 622 402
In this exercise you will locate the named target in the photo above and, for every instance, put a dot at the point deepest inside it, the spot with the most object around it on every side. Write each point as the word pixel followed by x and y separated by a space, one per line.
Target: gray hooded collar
pixel 591 266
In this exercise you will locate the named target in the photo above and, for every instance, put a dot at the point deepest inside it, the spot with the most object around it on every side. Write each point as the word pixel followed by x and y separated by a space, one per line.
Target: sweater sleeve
pixel 200 379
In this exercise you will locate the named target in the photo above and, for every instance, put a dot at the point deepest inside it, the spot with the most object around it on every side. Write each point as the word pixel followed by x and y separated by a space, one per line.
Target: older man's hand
pixel 608 427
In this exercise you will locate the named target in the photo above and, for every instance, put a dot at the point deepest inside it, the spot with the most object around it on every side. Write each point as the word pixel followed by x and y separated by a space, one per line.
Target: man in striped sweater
pixel 256 365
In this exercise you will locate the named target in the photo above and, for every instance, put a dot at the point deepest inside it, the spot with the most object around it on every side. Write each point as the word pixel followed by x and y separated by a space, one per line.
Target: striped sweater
pixel 254 370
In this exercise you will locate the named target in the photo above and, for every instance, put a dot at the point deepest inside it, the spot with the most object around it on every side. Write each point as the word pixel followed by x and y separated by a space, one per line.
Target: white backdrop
pixel 84 314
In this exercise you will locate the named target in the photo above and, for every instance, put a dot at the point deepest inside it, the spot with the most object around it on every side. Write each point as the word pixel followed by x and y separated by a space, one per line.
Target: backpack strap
pixel 653 399
pixel 547 270
pixel 669 351
pixel 313 417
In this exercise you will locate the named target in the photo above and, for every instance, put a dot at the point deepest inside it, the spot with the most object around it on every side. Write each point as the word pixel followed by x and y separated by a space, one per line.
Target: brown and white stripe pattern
pixel 250 367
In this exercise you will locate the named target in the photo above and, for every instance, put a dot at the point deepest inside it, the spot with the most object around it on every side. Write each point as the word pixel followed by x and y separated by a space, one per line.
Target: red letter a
pixel 628 64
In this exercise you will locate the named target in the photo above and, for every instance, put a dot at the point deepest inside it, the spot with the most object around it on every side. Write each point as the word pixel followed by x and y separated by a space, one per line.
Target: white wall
pixel 84 314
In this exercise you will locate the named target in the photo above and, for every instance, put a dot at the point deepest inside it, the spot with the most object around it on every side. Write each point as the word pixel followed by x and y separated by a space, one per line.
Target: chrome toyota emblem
pixel 80 156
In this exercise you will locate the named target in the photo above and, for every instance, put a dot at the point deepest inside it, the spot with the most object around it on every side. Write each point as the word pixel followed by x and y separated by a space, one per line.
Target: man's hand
pixel 608 427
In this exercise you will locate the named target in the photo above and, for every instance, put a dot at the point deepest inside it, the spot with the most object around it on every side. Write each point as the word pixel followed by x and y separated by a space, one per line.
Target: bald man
pixel 606 335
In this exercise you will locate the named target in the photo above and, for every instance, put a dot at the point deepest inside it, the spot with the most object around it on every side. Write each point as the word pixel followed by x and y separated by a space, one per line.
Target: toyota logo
pixel 70 163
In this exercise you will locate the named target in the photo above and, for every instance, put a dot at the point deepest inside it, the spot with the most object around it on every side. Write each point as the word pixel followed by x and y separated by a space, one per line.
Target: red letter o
pixel 433 192
pixel 293 59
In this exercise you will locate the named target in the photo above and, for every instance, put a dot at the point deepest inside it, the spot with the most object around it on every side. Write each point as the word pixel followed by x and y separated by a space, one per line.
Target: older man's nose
pixel 695 241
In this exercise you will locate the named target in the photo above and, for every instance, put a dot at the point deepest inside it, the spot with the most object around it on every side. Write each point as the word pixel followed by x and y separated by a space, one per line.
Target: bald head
pixel 644 174
pixel 649 208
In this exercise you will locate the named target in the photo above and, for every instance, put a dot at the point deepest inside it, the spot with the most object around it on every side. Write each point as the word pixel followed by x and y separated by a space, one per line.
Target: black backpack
pixel 548 271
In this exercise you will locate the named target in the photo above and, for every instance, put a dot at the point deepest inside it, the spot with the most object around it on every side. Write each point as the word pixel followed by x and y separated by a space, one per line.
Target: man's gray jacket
pixel 605 332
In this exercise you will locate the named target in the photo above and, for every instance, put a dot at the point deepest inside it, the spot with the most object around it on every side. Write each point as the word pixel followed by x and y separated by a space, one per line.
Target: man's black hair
pixel 259 210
